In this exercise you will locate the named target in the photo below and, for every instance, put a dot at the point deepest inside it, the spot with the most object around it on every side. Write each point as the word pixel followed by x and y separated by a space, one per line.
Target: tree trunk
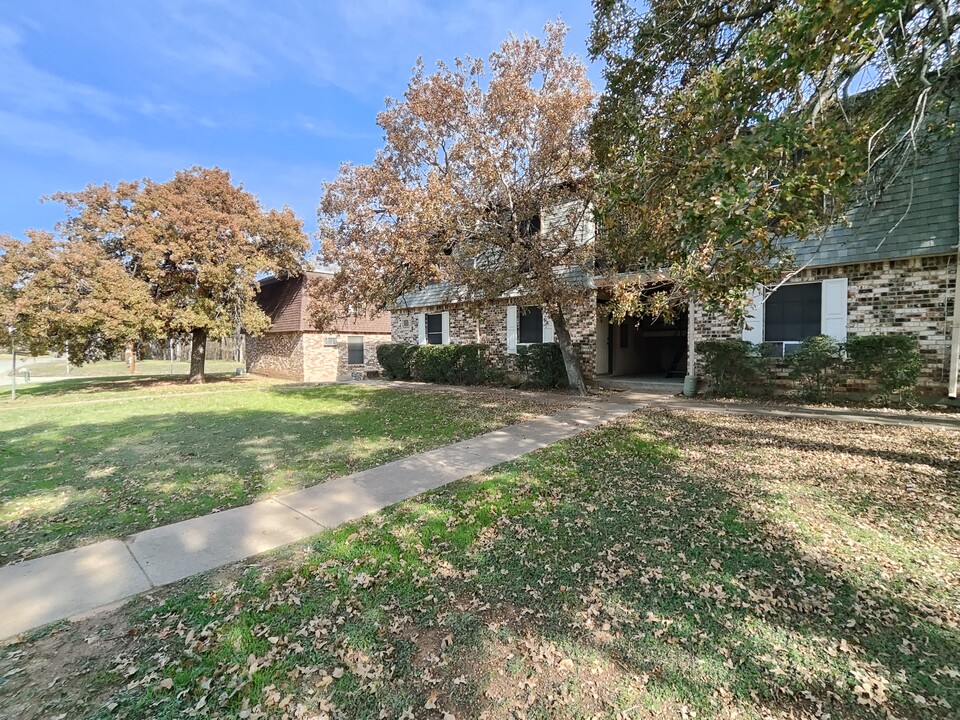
pixel 571 360
pixel 198 353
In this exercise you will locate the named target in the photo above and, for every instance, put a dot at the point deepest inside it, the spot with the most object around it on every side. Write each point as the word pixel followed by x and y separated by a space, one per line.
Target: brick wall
pixel 277 355
pixel 913 296
pixel 487 323
pixel 308 357
pixel 319 360
pixel 370 364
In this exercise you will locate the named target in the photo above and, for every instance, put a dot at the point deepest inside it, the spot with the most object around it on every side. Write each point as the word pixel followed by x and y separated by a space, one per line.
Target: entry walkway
pixel 62 585
pixel 74 582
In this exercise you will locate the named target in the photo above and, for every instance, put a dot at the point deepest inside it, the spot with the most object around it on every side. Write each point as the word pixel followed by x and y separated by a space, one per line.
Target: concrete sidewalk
pixel 59 586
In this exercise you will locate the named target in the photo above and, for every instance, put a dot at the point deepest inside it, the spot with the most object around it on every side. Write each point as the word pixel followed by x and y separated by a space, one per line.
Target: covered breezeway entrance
pixel 642 348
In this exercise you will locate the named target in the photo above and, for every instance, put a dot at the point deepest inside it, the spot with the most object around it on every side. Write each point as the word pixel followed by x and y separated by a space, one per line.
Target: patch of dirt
pixel 67 670
pixel 517 672
pixel 56 675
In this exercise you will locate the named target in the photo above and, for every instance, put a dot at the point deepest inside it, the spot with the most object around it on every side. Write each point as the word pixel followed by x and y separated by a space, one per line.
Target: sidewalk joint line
pixel 126 544
pixel 319 525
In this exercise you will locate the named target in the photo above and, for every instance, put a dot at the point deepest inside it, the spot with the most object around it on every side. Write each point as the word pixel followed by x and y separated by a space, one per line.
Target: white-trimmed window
pixel 530 326
pixel 792 313
pixel 797 311
pixel 433 328
pixel 527 325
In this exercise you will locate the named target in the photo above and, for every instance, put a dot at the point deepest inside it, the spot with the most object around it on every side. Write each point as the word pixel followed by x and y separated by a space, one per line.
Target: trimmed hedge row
pixel 890 363
pixel 448 364
pixel 540 366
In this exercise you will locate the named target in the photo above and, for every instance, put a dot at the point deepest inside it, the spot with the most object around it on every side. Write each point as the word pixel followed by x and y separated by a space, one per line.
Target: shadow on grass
pixel 691 587
pixel 666 589
pixel 82 387
pixel 920 471
pixel 66 483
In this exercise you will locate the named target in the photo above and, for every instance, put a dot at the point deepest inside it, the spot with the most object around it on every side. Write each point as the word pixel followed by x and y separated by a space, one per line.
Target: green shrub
pixel 733 368
pixel 394 358
pixel 471 364
pixel 891 361
pixel 448 364
pixel 541 366
pixel 432 363
pixel 817 364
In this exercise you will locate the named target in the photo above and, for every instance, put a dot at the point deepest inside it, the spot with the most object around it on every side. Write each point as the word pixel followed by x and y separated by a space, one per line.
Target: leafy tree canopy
pixel 482 182
pixel 71 297
pixel 727 126
pixel 198 242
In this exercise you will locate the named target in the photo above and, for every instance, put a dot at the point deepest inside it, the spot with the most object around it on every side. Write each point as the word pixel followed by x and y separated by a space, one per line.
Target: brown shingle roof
pixel 285 301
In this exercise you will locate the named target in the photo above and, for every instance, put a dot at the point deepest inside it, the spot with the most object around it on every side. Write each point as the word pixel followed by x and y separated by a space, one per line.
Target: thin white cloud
pixel 357 46
pixel 55 139
pixel 35 93
pixel 324 128
pixel 28 89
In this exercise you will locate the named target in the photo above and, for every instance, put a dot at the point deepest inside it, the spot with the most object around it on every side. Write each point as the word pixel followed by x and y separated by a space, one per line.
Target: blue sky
pixel 277 93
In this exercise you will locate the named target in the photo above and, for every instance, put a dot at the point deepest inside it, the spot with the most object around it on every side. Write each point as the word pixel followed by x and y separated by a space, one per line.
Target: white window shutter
pixel 445 327
pixel 421 329
pixel 833 309
pixel 753 316
pixel 547 328
pixel 512 329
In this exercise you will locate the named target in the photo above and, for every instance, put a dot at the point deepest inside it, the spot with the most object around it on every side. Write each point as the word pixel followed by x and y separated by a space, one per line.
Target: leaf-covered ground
pixel 86 460
pixel 673 565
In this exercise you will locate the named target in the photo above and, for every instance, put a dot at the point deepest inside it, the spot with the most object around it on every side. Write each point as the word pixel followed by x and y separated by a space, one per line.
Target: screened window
pixel 355 350
pixel 530 321
pixel 435 329
pixel 792 313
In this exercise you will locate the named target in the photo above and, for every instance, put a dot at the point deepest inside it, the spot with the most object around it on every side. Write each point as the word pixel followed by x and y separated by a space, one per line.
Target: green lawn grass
pixel 83 460
pixel 673 565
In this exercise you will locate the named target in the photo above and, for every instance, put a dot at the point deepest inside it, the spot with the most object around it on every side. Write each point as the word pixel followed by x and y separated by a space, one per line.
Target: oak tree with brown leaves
pixel 198 242
pixel 71 297
pixel 483 182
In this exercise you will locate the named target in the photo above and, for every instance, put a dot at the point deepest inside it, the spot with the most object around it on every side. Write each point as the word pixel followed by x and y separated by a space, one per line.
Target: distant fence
pixel 230 348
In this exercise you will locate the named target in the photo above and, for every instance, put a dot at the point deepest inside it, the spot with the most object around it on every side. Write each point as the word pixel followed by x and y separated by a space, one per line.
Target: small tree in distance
pixel 70 297
pixel 198 242
pixel 483 182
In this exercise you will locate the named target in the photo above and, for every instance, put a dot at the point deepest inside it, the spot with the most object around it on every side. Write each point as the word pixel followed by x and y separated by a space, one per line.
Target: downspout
pixel 690 381
pixel 955 332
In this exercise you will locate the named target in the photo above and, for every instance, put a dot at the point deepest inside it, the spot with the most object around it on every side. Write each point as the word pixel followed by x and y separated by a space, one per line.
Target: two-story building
pixel 892 269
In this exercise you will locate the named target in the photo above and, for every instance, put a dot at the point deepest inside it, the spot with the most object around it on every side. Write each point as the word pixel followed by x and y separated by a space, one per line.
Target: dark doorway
pixel 650 347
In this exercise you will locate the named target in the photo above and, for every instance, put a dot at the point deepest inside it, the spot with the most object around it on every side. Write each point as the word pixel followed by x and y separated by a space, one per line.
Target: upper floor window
pixel 531 226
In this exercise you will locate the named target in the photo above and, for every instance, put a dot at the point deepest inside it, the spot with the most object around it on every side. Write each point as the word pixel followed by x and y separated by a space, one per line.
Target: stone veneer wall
pixel 913 295
pixel 487 323
pixel 277 355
